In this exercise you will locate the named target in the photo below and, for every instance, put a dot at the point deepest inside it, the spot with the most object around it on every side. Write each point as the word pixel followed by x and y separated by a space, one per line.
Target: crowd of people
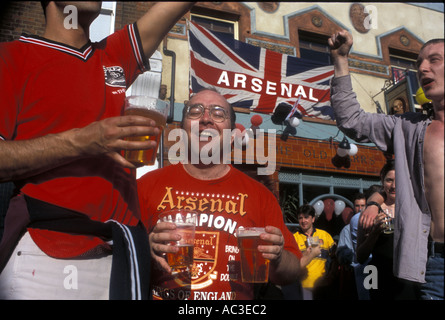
pixel 81 206
pixel 340 273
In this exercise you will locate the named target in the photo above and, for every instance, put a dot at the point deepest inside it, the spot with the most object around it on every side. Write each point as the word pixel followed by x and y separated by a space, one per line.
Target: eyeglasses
pixel 196 111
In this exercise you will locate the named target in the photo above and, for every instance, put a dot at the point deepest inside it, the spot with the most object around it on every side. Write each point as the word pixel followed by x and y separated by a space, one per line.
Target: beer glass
pixel 185 222
pixel 254 268
pixel 313 242
pixel 154 109
pixel 389 222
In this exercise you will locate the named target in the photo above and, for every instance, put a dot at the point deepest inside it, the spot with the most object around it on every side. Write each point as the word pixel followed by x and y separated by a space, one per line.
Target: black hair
pixel 306 209
pixel 373 189
pixel 359 195
pixel 390 165
pixel 432 41
pixel 44 4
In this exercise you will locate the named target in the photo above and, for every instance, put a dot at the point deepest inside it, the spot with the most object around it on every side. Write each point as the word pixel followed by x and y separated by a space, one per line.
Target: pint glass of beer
pixel 313 242
pixel 389 222
pixel 254 268
pixel 154 109
pixel 185 222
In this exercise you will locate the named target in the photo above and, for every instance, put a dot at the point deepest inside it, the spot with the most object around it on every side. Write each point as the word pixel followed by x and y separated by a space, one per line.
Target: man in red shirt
pixel 225 199
pixel 61 137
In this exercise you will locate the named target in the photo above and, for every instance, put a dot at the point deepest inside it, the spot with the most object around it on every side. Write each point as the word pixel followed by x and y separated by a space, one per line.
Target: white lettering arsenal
pixel 288 90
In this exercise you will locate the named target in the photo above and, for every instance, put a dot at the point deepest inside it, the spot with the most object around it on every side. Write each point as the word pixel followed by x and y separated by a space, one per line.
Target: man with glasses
pixel 225 199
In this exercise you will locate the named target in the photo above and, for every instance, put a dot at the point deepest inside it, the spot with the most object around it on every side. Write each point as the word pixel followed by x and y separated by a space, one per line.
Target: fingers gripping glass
pixel 196 111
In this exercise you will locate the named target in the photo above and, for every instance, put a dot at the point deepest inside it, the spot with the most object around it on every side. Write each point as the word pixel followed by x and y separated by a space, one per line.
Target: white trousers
pixel 30 274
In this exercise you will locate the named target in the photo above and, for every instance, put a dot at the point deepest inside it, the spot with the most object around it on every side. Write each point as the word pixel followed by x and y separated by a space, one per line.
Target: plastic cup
pixel 254 268
pixel 154 109
pixel 185 222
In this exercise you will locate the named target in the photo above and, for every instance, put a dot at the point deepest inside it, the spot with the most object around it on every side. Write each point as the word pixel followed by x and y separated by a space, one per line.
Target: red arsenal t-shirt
pixel 48 87
pixel 223 205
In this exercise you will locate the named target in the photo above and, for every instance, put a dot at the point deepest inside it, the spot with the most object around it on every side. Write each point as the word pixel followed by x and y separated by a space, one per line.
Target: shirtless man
pixel 417 142
pixel 430 64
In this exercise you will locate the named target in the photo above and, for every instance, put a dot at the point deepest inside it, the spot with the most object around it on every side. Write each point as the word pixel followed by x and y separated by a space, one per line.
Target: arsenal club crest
pixel 205 258
pixel 114 76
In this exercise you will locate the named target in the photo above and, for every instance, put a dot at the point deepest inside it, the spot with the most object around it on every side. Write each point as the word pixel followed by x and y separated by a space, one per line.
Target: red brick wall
pixel 130 11
pixel 317 155
pixel 17 17
pixel 309 154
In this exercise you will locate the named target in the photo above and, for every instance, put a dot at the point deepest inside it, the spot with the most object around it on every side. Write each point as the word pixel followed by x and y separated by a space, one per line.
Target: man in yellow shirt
pixel 315 244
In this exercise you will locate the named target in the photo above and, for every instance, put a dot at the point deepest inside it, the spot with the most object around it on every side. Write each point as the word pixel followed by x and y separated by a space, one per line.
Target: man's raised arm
pixel 157 22
pixel 340 44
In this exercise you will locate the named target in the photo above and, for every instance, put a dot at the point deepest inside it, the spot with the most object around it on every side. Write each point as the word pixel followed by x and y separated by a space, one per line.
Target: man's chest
pixel 433 150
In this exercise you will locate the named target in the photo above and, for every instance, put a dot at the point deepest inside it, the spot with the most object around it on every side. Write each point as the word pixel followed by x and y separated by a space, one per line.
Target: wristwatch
pixel 373 203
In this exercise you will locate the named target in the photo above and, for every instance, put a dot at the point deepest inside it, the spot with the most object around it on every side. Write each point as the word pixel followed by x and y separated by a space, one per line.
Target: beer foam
pixel 251 232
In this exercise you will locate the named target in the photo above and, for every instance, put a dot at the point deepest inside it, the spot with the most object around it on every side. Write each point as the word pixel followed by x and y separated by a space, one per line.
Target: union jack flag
pixel 256 78
pixel 398 74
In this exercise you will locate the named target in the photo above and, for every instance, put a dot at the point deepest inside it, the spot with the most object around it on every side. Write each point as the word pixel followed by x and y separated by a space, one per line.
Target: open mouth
pixel 426 82
pixel 208 133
